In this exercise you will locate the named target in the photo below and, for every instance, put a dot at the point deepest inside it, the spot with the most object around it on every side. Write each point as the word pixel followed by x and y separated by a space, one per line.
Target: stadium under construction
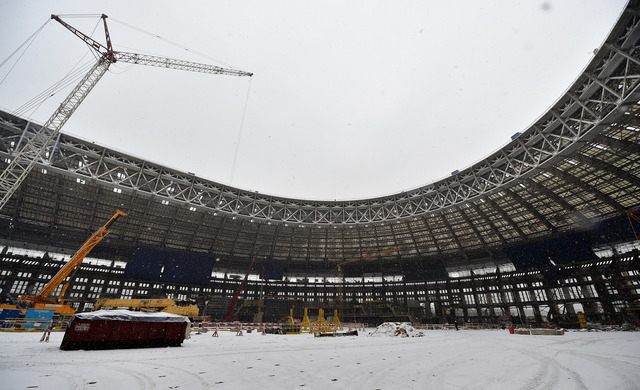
pixel 532 231
pixel 545 232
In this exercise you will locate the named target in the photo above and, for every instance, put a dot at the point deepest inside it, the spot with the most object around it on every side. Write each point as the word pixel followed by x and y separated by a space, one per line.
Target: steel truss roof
pixel 578 163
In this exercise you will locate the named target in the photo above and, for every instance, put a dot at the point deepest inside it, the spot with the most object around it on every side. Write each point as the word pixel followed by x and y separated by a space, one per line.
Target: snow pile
pixel 401 329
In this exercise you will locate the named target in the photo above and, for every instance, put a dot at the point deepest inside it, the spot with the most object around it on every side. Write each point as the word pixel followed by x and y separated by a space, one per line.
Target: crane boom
pixel 43 295
pixel 229 314
pixel 95 45
pixel 162 62
pixel 30 153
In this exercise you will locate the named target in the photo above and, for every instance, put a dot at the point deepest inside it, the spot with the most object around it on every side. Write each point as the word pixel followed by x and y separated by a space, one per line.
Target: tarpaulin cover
pixel 128 315
pixel 109 329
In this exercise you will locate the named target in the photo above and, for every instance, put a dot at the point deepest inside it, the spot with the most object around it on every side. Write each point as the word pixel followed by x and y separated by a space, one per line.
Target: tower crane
pixel 31 152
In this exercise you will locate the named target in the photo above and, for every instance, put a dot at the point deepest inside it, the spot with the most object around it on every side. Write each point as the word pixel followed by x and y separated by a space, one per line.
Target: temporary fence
pixel 25 325
pixel 464 325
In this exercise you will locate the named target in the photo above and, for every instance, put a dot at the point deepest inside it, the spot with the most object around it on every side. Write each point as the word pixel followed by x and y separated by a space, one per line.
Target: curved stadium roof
pixel 578 164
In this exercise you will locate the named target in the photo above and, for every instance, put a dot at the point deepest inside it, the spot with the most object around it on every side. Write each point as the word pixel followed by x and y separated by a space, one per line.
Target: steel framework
pixel 577 164
pixel 29 152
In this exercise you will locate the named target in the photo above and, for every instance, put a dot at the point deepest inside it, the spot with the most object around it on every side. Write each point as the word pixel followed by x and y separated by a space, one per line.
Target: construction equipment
pixel 34 149
pixel 365 257
pixel 43 299
pixel 633 216
pixel 148 305
pixel 320 324
pixel 230 313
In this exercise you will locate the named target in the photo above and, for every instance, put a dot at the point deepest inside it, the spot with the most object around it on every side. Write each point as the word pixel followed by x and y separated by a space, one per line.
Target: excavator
pixel 44 299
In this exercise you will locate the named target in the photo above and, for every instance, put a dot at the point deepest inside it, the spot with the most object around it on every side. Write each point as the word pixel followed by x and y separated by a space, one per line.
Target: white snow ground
pixel 441 359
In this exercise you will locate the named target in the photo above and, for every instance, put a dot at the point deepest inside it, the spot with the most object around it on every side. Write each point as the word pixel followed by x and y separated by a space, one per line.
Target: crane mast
pixel 32 151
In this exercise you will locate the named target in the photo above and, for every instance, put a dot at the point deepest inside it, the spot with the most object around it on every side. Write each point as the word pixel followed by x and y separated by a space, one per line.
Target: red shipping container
pixel 108 329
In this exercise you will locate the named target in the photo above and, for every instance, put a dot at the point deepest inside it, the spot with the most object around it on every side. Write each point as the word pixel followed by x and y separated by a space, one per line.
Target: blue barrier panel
pixel 9 313
pixel 38 318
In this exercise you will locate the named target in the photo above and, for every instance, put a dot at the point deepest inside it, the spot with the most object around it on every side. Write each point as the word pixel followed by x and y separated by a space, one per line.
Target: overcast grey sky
pixel 350 99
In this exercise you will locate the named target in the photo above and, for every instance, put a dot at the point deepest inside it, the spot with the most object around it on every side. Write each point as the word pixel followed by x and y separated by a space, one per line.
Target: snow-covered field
pixel 440 360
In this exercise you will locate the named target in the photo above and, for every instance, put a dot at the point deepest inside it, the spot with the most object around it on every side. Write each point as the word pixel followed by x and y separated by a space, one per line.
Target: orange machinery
pixel 44 299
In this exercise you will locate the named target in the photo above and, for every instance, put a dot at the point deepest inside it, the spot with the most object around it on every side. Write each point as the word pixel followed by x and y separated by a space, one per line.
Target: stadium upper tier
pixel 578 164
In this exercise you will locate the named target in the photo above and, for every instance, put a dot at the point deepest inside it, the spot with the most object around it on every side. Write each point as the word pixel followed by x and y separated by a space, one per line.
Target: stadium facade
pixel 542 228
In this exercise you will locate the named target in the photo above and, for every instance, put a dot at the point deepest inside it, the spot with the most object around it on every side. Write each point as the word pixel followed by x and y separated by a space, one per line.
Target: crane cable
pixel 27 42
pixel 172 43
pixel 38 100
pixel 239 139
pixel 180 46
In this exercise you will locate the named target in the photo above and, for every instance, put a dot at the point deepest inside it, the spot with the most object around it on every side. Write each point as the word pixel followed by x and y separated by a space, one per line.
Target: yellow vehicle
pixel 44 299
pixel 149 305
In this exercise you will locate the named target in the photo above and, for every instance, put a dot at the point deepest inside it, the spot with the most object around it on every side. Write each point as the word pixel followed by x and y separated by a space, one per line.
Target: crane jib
pixel 28 154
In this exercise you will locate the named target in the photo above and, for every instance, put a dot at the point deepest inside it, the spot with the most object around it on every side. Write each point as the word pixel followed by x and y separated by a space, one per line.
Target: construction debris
pixel 401 329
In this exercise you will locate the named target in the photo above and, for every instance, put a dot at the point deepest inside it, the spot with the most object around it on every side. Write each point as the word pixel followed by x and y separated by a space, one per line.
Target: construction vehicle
pixel 35 148
pixel 148 305
pixel 44 299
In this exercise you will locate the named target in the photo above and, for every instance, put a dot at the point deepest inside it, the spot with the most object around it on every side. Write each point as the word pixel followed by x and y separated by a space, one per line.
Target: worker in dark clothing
pixel 47 333
pixel 455 322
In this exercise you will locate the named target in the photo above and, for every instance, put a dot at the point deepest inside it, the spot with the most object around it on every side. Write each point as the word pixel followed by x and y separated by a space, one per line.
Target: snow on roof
pixel 128 315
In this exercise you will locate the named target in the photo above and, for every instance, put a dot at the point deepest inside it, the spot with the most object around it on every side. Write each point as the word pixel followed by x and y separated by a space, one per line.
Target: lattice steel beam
pixel 587 188
pixel 466 218
pixel 488 221
pixel 555 197
pixel 530 208
pixel 597 100
pixel 505 216
pixel 612 169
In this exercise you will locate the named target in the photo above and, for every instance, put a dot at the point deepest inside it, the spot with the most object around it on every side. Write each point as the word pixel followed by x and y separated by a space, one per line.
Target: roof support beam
pixel 505 216
pixel 488 221
pixel 453 234
pixel 555 197
pixel 586 187
pixel 413 238
pixel 471 225
pixel 196 228
pixel 530 208
pixel 610 168
pixel 427 229
pixel 170 227
pixel 628 146
pixel 212 248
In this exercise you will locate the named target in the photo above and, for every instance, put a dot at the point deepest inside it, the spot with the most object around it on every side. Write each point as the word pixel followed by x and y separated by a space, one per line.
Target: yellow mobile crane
pixel 148 305
pixel 43 299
